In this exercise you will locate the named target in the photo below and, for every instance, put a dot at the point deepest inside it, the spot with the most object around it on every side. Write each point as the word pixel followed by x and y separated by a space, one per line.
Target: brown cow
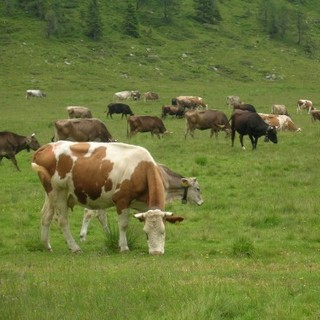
pixel 280 121
pixel 12 143
pixel 304 104
pixel 145 124
pixel 150 96
pixel 99 176
pixel 78 112
pixel 206 119
pixel 81 130
pixel 176 111
pixel 315 115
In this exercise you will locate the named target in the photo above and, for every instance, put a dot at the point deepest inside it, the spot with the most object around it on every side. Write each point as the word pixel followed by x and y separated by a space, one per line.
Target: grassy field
pixel 251 251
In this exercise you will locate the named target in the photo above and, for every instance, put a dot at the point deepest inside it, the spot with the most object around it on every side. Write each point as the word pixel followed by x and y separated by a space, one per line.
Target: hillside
pixel 237 53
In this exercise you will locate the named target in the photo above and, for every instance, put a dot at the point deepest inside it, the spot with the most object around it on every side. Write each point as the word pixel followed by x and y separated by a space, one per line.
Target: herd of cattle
pixel 79 168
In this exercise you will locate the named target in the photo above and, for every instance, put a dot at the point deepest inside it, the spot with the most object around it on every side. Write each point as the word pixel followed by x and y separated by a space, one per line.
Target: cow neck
pixel 172 184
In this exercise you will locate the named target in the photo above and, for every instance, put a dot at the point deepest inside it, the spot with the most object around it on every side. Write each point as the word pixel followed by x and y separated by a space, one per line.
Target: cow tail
pixel 44 176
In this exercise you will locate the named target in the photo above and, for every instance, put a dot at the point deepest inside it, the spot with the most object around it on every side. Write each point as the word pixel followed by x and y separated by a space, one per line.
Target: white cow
pixel 233 100
pixel 279 109
pixel 78 112
pixel 126 95
pixel 35 93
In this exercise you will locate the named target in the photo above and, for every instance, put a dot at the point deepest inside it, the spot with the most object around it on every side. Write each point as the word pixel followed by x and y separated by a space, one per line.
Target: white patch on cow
pixel 154 228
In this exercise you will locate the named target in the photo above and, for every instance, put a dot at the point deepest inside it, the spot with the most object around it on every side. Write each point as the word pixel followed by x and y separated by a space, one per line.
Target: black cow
pixel 122 108
pixel 244 106
pixel 12 143
pixel 250 123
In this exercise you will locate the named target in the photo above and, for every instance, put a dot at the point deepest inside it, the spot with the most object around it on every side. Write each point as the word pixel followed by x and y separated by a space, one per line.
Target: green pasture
pixel 251 251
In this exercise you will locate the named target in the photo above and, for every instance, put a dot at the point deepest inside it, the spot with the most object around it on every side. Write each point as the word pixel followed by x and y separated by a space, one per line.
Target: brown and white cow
pixel 189 102
pixel 78 112
pixel 206 119
pixel 304 104
pixel 12 143
pixel 315 115
pixel 279 109
pixel 150 96
pixel 176 187
pixel 151 124
pixel 98 176
pixel 81 130
pixel 280 121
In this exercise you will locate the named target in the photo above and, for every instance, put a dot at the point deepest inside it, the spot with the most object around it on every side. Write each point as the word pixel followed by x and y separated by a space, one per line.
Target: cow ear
pixel 184 182
pixel 174 219
pixel 139 216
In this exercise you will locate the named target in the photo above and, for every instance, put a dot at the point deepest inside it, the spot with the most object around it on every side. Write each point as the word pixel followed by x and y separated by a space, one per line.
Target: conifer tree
pixel 131 23
pixel 207 11
pixel 94 23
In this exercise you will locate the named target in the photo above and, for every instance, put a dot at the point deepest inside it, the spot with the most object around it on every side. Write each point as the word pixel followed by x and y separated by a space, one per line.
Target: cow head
pixel 32 143
pixel 191 191
pixel 154 227
pixel 271 134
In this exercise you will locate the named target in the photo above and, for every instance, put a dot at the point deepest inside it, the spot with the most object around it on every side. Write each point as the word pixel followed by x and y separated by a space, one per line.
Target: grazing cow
pixel 233 100
pixel 12 143
pixel 244 106
pixel 280 121
pixel 150 96
pixel 81 130
pixel 98 176
pixel 250 123
pixel 35 93
pixel 279 109
pixel 176 111
pixel 145 124
pixel 122 108
pixel 206 119
pixel 304 104
pixel 315 115
pixel 176 187
pixel 78 112
pixel 126 95
pixel 189 102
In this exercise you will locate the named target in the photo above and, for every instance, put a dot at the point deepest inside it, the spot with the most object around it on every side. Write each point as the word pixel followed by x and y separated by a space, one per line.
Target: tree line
pixel 279 18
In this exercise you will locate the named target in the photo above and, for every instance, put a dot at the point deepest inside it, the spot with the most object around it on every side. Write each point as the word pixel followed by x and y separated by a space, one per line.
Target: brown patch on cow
pixel 64 165
pixel 145 185
pixel 91 174
pixel 79 149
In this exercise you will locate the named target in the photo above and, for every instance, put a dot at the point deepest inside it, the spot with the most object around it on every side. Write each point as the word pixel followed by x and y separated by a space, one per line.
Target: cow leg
pixel 47 214
pixel 233 134
pixel 61 210
pixel 241 141
pixel 123 222
pixel 102 217
pixel 87 216
pixel 14 161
